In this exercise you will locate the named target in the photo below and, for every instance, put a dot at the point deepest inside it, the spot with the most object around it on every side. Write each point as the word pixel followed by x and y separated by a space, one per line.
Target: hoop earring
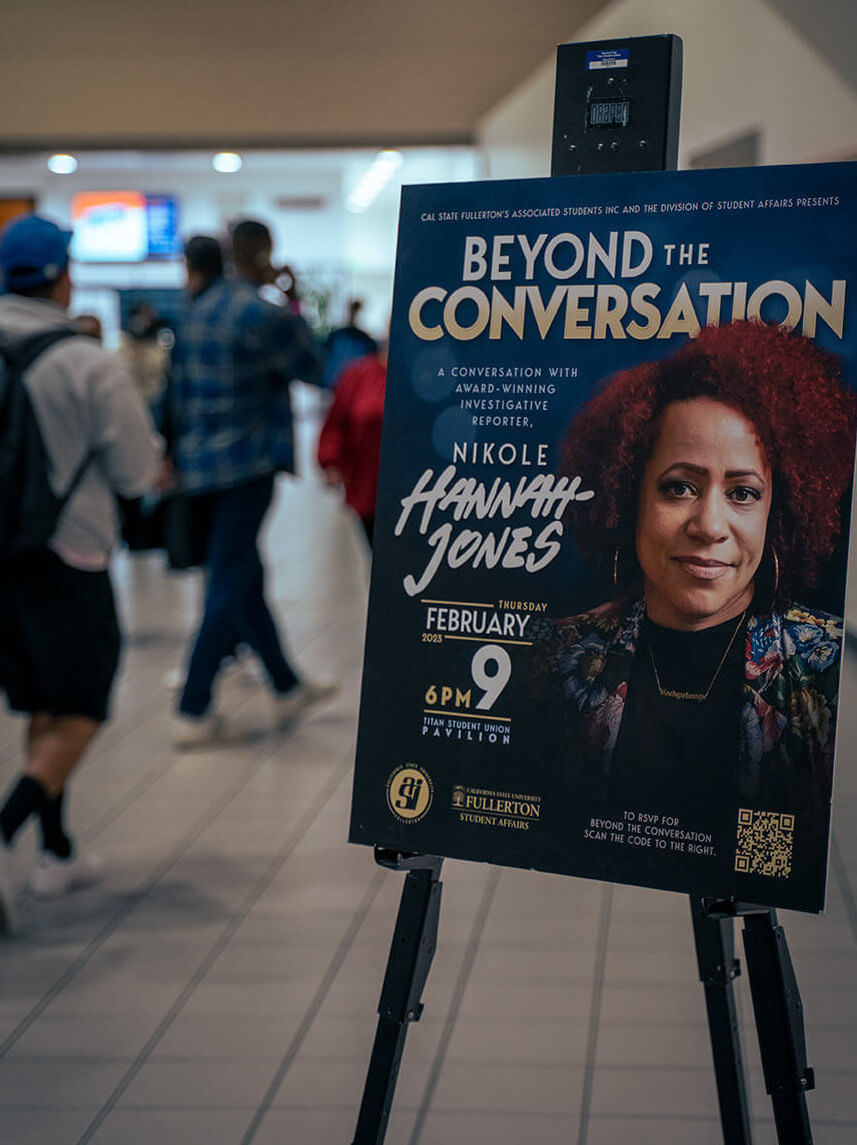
pixel 616 567
pixel 776 570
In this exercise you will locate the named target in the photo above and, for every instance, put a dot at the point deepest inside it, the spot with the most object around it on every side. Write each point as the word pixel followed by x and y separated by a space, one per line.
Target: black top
pixel 678 752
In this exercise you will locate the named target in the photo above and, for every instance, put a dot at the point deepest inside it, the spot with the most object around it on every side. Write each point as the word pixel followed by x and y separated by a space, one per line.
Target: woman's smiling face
pixel 702 516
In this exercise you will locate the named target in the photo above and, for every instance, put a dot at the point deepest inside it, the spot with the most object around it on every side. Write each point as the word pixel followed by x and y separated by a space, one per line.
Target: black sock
pixel 54 838
pixel 24 799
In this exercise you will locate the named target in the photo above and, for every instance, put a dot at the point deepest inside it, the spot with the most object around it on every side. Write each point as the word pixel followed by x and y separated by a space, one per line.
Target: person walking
pixel 346 344
pixel 349 445
pixel 59 636
pixel 229 429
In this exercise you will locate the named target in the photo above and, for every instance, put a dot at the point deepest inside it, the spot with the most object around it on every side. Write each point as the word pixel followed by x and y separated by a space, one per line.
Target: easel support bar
pixel 718 968
pixel 779 1021
pixel 411 954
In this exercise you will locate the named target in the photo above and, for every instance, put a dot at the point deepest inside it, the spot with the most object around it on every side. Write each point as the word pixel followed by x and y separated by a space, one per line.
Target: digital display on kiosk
pixel 609 112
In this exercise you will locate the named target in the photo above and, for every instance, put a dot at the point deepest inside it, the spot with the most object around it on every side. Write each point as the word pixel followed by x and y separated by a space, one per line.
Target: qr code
pixel 765 843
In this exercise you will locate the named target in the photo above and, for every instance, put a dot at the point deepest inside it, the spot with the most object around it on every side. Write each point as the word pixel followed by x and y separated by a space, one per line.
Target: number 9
pixel 493 683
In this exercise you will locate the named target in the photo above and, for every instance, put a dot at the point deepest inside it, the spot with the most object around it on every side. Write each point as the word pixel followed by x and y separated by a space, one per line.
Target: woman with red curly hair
pixel 719 474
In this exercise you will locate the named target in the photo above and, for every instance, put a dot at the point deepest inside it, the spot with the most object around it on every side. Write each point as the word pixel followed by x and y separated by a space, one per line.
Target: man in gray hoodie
pixel 59 637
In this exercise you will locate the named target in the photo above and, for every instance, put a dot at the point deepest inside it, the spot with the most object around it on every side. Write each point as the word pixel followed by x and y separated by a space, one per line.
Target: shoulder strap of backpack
pixel 21 355
pixel 77 477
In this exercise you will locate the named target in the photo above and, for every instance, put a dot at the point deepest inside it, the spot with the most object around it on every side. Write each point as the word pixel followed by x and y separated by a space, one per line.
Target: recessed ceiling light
pixel 227 162
pixel 62 164
pixel 384 166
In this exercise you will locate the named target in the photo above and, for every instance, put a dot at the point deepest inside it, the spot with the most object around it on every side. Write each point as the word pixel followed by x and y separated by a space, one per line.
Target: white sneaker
pixel 305 695
pixel 52 877
pixel 245 670
pixel 7 892
pixel 188 731
pixel 174 679
pixel 251 673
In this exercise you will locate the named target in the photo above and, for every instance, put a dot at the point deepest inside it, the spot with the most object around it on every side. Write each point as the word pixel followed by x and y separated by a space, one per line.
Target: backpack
pixel 29 508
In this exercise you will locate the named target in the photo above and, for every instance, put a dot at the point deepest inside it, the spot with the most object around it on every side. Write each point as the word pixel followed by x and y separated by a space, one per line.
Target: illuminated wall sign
pixel 109 226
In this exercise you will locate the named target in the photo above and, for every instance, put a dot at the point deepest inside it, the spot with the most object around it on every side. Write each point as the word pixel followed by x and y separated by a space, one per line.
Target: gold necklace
pixel 696 697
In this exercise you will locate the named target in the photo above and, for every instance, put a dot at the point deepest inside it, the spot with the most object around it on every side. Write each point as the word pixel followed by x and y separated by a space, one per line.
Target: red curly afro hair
pixel 783 383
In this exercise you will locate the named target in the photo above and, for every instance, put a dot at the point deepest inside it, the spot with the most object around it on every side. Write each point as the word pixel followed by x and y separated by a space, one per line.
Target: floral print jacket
pixel 791 682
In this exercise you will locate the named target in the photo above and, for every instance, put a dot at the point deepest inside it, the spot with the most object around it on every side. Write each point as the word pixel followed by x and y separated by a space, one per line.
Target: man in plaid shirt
pixel 229 425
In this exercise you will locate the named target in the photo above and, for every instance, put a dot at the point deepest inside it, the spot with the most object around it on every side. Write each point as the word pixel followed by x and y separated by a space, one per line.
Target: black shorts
pixel 59 637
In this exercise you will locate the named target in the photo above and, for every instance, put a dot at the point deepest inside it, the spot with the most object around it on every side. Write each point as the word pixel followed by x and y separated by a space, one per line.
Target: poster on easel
pixel 606 611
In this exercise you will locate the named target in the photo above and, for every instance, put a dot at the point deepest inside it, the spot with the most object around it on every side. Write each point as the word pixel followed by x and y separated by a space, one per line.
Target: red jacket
pixel 350 438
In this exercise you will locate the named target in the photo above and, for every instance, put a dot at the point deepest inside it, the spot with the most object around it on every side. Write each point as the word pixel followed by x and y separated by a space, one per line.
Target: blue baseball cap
pixel 33 252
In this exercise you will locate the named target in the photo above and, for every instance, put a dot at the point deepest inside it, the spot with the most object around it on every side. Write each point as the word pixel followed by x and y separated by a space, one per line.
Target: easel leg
pixel 411 954
pixel 779 1023
pixel 718 967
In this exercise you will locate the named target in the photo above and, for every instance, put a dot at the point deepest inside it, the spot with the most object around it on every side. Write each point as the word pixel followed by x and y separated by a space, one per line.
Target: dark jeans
pixel 235 608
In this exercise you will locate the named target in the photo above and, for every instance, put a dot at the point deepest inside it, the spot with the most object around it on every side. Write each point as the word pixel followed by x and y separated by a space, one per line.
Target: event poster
pixel 605 625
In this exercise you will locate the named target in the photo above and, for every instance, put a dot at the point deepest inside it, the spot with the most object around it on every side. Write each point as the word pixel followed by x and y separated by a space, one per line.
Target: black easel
pixel 776 1000
pixel 776 1004
pixel 778 1015
pixel 411 954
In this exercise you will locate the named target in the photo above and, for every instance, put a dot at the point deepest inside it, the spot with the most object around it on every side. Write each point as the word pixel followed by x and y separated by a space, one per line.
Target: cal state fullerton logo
pixel 409 792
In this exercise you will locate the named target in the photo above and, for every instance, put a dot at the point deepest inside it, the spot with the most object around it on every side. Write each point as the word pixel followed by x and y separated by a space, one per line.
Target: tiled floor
pixel 220 987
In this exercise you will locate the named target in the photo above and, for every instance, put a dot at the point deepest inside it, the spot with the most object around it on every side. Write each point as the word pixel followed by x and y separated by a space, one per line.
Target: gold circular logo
pixel 409 792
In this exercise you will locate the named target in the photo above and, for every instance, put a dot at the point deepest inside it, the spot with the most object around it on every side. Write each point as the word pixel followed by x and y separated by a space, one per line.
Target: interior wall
pixel 334 252
pixel 208 202
pixel 831 26
pixel 313 241
pixel 746 68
